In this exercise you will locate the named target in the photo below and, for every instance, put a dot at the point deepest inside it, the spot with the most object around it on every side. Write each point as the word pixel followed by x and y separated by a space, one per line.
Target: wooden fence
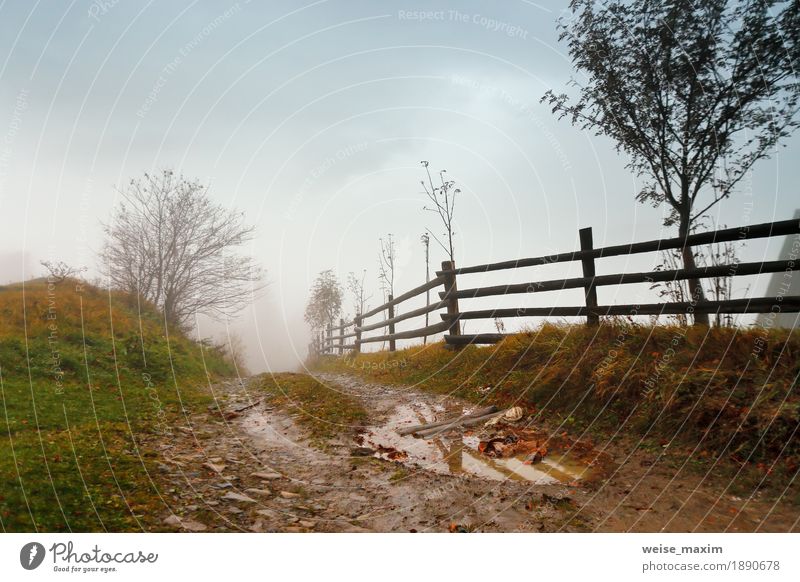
pixel 353 334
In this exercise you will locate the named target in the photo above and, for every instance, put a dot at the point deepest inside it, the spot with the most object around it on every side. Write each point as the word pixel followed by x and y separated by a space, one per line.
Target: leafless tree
pixel 426 242
pixel 356 288
pixel 168 242
pixel 720 287
pixel 443 199
pixel 58 271
pixel 387 257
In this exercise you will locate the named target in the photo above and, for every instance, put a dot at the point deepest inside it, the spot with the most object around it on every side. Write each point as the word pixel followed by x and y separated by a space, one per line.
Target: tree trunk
pixel 695 286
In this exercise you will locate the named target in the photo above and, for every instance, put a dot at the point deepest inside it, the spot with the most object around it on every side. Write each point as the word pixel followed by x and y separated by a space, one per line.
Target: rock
pixel 306 523
pixel 214 467
pixel 267 512
pixel 266 476
pixel 194 526
pixel 289 495
pixel 258 526
pixel 231 496
pixel 260 492
pixel 344 527
pixel 173 520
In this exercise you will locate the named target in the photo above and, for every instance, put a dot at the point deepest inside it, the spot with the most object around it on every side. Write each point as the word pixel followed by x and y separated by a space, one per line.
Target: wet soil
pixel 258 470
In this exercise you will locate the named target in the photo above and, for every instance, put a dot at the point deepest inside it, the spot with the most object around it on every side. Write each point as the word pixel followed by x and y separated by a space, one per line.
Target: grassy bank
pixel 732 393
pixel 90 379
pixel 323 409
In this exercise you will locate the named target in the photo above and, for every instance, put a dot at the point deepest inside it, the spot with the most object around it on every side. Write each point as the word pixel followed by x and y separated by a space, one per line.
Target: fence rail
pixel 329 342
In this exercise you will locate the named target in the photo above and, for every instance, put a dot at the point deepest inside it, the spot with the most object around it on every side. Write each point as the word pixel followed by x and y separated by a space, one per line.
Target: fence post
pixel 328 338
pixel 392 343
pixel 341 336
pixel 357 324
pixel 450 288
pixel 590 291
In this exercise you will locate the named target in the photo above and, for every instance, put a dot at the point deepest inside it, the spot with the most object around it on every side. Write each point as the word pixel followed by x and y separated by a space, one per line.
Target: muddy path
pixel 258 470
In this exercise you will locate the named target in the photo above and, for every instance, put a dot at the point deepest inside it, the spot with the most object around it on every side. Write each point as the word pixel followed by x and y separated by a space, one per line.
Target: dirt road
pixel 257 470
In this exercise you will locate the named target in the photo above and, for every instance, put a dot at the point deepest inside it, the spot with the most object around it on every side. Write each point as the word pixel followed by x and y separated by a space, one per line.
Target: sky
pixel 312 119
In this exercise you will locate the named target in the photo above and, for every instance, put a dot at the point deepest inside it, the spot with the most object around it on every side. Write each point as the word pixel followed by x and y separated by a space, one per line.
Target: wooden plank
pixel 450 290
pixel 404 316
pixel 461 422
pixel 476 338
pixel 764 230
pixel 787 303
pixel 587 264
pixel 405 296
pixel 739 269
pixel 418 427
pixel 414 333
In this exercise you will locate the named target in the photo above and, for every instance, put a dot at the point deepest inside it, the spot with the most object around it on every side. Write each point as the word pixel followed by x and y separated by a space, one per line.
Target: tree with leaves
pixel 443 203
pixel 170 243
pixel 694 92
pixel 325 304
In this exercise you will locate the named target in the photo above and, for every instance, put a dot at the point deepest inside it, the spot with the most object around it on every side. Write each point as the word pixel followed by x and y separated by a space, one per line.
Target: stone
pixel 260 492
pixel 307 523
pixel 289 495
pixel 231 496
pixel 266 476
pixel 194 525
pixel 214 467
pixel 173 520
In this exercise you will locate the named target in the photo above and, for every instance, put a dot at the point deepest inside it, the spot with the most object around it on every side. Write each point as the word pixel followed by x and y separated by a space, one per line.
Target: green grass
pixel 90 381
pixel 731 392
pixel 322 409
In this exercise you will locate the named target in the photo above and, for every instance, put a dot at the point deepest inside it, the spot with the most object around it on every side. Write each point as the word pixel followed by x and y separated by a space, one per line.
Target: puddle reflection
pixel 458 454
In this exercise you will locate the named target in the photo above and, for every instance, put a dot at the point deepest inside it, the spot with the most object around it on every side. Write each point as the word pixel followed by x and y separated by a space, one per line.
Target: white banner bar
pixel 400 557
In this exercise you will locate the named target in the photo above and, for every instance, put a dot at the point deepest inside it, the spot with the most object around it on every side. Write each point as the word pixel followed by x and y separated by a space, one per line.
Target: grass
pixel 325 411
pixel 732 393
pixel 89 381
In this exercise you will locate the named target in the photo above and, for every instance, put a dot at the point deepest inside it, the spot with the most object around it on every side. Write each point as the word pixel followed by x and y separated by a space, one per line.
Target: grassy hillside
pixel 727 394
pixel 88 378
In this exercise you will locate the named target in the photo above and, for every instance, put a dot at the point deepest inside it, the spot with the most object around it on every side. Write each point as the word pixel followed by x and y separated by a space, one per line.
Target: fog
pixel 312 121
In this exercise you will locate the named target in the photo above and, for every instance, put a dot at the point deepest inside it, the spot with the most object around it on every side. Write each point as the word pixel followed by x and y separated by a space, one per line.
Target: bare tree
pixel 387 258
pixel 356 288
pixel 426 242
pixel 325 303
pixel 720 287
pixel 58 271
pixel 443 198
pixel 168 242
pixel 695 93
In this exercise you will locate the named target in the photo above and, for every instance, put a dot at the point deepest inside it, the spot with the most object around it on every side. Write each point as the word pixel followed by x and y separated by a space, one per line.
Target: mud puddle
pixel 457 452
